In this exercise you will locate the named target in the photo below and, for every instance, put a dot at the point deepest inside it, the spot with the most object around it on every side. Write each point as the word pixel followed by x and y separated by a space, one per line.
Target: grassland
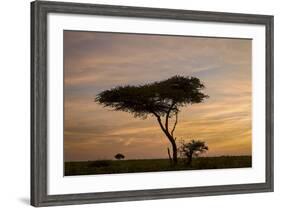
pixel 152 165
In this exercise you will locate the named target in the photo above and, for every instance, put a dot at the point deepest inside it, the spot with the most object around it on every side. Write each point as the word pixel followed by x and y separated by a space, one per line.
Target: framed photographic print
pixel 132 103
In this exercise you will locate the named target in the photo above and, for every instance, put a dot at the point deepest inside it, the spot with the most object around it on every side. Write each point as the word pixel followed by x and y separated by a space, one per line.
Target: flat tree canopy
pixel 155 98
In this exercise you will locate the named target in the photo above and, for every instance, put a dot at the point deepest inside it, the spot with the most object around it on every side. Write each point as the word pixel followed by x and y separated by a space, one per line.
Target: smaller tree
pixel 119 156
pixel 193 148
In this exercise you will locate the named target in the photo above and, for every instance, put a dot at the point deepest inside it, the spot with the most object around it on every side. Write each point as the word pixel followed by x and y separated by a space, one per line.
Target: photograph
pixel 133 103
pixel 137 103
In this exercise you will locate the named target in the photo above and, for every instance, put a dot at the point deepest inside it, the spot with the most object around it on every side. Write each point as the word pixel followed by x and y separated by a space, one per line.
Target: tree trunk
pixel 171 139
pixel 175 152
pixel 169 154
pixel 174 147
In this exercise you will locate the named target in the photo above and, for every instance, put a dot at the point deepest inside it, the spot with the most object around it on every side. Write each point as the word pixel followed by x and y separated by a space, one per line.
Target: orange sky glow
pixel 96 61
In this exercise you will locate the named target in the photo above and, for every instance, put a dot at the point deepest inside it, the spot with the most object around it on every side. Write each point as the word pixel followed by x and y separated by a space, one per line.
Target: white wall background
pixel 15 101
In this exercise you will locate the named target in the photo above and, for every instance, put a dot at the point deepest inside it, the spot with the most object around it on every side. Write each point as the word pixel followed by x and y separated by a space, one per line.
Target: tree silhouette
pixel 193 148
pixel 119 156
pixel 159 99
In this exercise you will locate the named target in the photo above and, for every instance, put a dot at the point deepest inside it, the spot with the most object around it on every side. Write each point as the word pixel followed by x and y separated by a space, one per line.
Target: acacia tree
pixel 159 99
pixel 193 148
pixel 119 156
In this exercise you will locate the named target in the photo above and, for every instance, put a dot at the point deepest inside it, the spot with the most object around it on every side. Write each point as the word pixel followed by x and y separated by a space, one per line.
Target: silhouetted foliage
pixel 159 99
pixel 193 148
pixel 119 156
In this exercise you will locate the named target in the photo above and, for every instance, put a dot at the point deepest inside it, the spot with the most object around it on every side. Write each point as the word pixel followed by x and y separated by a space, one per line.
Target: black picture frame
pixel 39 12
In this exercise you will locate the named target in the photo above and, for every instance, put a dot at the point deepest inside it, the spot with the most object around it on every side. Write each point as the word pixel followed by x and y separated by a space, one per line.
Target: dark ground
pixel 152 165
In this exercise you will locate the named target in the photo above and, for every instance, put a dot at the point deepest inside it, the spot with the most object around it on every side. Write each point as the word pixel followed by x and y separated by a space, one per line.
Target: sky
pixel 97 61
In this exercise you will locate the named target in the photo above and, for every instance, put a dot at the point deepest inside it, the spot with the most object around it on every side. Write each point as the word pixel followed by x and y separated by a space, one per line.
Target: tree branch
pixel 166 132
pixel 168 116
pixel 161 125
pixel 175 124
pixel 156 115
pixel 159 121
